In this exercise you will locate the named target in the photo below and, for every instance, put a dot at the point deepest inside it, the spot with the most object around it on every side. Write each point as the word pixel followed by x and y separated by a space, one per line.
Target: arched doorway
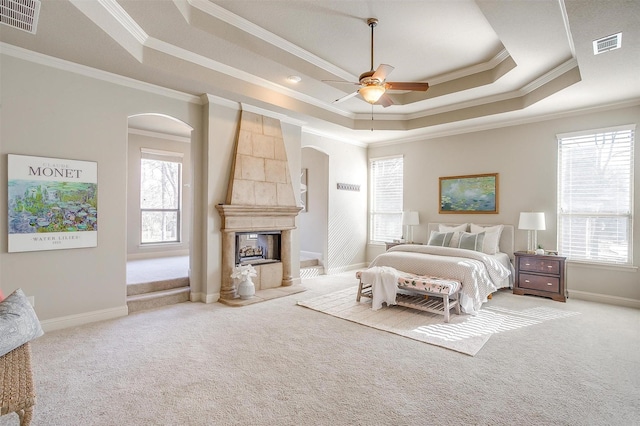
pixel 159 211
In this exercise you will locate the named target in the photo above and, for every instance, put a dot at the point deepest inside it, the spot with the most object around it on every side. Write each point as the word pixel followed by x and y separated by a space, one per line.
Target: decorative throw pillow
pixel 18 322
pixel 441 239
pixel 457 229
pixel 491 244
pixel 471 241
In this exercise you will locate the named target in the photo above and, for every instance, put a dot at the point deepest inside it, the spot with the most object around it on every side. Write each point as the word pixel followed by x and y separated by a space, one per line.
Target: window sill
pixel 620 268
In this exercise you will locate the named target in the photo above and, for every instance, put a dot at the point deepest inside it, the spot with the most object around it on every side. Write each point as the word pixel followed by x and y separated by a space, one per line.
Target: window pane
pixel 160 184
pixel 386 199
pixel 159 227
pixel 595 238
pixel 595 196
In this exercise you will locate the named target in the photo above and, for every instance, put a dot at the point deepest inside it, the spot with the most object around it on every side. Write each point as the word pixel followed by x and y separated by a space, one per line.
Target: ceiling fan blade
pixel 344 98
pixel 385 100
pixel 382 72
pixel 396 85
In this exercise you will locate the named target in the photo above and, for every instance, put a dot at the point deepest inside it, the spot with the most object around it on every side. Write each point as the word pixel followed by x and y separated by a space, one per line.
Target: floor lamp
pixel 532 222
pixel 410 219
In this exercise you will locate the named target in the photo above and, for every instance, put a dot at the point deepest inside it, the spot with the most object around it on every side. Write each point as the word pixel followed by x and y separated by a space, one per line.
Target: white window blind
pixel 385 220
pixel 595 199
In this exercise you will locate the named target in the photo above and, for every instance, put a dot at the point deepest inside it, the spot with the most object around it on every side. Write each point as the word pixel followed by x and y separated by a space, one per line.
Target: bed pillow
pixel 469 241
pixel 456 236
pixel 18 322
pixel 491 244
pixel 441 239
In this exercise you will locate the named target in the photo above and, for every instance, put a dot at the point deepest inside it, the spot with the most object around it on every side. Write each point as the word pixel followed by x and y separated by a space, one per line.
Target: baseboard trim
pixel 84 318
pixel 603 298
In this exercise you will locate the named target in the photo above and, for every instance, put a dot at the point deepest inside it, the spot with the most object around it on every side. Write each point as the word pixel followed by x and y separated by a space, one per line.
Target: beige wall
pixel 347 210
pixel 525 156
pixel 135 250
pixel 55 113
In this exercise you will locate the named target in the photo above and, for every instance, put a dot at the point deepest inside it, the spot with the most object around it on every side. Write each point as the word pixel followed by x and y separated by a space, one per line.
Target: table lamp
pixel 532 222
pixel 410 219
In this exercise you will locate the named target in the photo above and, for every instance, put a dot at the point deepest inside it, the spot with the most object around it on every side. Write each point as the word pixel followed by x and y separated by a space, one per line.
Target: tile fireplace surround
pixel 260 198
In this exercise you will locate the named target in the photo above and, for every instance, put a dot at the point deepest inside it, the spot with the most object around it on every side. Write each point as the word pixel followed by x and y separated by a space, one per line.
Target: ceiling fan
pixel 373 84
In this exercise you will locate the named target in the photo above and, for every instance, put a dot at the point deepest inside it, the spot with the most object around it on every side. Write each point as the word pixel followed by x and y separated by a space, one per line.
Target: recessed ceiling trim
pixel 470 70
pixel 526 89
pixel 259 32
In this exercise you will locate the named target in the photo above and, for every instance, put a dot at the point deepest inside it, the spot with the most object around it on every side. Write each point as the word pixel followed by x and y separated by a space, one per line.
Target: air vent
pixel 606 44
pixel 20 14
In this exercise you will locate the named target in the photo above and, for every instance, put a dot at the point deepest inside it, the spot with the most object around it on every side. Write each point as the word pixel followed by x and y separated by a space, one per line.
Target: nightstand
pixel 540 275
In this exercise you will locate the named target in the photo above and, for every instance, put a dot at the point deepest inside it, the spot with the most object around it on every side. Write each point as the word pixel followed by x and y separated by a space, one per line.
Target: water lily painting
pixel 52 203
pixel 469 194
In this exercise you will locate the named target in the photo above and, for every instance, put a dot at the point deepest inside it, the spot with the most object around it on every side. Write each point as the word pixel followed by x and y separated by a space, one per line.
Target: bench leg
pixel 445 300
pixel 359 291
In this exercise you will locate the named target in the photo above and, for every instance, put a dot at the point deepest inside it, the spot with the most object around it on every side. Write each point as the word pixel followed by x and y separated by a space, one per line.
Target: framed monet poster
pixel 469 194
pixel 53 203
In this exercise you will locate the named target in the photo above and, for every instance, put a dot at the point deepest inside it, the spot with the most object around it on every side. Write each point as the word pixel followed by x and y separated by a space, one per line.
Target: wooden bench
pixel 430 294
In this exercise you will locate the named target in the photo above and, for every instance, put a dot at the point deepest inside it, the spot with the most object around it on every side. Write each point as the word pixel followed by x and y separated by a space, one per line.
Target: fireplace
pixel 259 212
pixel 257 248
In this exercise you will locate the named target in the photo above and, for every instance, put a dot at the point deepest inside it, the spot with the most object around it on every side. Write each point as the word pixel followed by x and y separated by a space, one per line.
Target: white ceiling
pixel 488 63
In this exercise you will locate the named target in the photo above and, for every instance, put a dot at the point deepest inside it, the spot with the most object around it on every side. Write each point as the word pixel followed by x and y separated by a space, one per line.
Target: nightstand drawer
pixel 530 263
pixel 538 282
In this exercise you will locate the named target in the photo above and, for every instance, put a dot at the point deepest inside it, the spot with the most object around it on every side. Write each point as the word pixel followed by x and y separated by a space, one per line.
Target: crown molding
pixel 64 65
pixel 158 135
pixel 328 135
pixel 507 123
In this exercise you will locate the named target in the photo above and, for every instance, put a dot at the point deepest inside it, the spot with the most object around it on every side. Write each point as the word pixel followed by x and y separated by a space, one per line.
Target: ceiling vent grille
pixel 608 43
pixel 20 14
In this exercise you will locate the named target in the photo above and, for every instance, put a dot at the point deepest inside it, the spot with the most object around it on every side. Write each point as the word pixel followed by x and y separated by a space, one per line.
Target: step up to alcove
pixel 156 299
pixel 148 287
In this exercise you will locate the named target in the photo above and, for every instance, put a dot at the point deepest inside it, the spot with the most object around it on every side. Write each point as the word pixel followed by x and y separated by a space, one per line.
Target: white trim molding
pixel 84 318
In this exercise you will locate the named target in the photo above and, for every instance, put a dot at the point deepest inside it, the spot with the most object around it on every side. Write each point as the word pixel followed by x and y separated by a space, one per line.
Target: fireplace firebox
pixel 256 248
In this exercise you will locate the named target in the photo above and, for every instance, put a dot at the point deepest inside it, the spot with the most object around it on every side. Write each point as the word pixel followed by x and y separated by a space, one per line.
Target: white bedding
pixel 480 274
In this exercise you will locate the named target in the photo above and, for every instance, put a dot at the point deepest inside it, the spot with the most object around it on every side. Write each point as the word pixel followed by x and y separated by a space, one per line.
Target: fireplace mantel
pixel 257 218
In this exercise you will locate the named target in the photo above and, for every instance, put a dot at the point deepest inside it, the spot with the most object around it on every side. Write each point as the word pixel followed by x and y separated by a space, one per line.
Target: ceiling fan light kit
pixel 373 84
pixel 372 93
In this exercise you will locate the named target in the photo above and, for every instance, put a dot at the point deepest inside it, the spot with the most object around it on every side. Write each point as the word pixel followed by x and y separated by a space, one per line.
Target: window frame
pixel 373 237
pixel 169 157
pixel 628 215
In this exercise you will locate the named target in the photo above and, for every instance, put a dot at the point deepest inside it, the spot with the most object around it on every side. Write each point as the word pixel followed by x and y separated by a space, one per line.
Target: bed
pixel 454 253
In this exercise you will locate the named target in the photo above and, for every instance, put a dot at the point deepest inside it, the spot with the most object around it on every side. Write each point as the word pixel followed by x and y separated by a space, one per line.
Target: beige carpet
pixel 464 333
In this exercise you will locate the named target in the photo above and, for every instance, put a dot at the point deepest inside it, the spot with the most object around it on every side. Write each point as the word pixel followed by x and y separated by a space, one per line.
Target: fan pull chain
pixel 372 117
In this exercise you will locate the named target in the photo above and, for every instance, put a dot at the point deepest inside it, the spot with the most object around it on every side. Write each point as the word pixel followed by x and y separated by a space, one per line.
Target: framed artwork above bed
pixel 469 194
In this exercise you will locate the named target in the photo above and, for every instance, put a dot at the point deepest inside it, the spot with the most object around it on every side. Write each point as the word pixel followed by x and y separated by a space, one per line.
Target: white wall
pixel 525 156
pixel 135 250
pixel 347 210
pixel 51 112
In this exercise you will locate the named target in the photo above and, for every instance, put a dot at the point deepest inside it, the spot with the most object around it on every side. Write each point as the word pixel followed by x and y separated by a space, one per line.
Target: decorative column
pixel 227 285
pixel 285 256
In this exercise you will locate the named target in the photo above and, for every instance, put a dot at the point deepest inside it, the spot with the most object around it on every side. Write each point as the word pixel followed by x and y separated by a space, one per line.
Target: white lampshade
pixel 410 218
pixel 532 221
pixel 372 93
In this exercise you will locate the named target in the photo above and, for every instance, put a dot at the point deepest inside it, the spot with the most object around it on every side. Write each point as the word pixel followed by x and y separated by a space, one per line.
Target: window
pixel 595 187
pixel 385 219
pixel 160 177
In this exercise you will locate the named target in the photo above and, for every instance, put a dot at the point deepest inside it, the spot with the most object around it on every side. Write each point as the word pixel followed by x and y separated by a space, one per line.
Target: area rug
pixel 466 334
